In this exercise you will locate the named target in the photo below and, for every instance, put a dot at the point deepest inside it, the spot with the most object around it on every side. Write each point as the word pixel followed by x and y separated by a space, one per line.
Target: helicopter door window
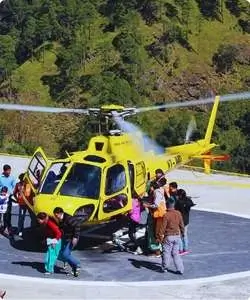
pixel 116 179
pixel 53 177
pixel 115 203
pixel 36 168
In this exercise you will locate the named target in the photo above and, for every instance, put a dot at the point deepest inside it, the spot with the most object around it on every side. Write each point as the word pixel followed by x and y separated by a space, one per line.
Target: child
pixel 53 240
pixel 183 205
pixel 4 198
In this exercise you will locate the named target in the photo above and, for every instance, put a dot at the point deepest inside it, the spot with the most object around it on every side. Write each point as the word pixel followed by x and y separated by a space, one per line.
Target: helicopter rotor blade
pixel 224 98
pixel 45 109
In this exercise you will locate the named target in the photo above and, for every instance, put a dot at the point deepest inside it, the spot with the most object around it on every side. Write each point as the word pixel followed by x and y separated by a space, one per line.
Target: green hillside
pixel 138 52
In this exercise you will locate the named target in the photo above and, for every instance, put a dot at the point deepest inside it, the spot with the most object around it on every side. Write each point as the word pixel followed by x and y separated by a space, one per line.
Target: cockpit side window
pixel 116 179
pixel 53 177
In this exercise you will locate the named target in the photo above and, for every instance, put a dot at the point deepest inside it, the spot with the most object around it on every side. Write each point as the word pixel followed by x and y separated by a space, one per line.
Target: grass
pixel 27 78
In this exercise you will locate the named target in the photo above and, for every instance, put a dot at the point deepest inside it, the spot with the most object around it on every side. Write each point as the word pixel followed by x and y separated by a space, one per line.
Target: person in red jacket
pixel 53 240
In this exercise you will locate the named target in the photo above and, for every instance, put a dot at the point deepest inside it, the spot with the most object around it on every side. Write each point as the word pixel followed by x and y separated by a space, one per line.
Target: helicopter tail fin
pixel 211 122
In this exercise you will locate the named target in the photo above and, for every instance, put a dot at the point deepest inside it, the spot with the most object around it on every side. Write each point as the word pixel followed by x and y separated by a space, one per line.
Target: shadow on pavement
pixel 31 241
pixel 145 264
pixel 39 266
pixel 34 265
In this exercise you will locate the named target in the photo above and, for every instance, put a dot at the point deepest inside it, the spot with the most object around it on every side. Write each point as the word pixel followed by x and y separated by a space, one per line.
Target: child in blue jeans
pixel 4 198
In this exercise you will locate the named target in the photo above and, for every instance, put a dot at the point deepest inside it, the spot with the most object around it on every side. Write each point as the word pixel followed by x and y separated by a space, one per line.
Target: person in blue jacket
pixel 6 179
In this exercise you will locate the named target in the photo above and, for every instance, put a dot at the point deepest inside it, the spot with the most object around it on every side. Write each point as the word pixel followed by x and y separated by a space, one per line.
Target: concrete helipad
pixel 217 268
pixel 216 250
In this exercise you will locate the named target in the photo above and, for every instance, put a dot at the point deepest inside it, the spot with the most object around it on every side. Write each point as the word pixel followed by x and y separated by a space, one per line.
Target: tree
pixel 28 39
pixel 7 59
pixel 234 6
pixel 7 53
pixel 210 8
pixel 149 10
pixel 224 58
pixel 245 25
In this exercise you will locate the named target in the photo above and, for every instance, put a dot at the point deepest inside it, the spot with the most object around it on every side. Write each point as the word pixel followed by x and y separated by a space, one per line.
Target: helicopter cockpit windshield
pixel 83 180
pixel 53 177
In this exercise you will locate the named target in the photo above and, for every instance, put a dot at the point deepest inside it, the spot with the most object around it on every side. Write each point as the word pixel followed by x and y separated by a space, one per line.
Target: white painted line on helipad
pixel 202 280
pixel 239 215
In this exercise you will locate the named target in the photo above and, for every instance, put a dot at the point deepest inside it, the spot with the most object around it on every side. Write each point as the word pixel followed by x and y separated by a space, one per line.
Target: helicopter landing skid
pixel 122 243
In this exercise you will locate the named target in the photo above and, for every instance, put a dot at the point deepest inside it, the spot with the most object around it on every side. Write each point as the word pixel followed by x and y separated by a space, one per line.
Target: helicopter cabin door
pixel 140 178
pixel 36 169
pixel 116 192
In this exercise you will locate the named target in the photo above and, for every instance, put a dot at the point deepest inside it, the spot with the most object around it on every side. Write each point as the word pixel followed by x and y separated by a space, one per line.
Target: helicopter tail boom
pixel 211 122
pixel 200 149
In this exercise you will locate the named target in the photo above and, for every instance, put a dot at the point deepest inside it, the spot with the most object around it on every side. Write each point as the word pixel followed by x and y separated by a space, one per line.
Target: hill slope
pixel 137 52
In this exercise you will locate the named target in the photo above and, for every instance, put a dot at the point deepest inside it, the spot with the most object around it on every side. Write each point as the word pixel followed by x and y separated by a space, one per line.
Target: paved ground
pixel 219 245
pixel 211 241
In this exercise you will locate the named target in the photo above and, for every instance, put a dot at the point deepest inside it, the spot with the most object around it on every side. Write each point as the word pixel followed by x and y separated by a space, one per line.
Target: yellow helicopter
pixel 98 182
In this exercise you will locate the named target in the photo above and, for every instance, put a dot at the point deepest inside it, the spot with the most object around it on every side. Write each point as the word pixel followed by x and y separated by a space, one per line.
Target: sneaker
pixel 65 267
pixel 48 273
pixel 154 255
pixel 76 271
pixel 6 231
pixel 20 234
pixel 138 251
pixel 179 273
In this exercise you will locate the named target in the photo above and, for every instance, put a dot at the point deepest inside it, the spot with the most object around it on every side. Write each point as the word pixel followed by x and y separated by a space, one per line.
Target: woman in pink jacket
pixel 134 219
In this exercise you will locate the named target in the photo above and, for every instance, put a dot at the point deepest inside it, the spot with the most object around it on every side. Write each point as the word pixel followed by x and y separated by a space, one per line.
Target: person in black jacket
pixel 70 226
pixel 183 205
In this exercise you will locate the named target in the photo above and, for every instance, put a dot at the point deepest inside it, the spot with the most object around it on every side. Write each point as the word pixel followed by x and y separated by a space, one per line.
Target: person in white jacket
pixel 4 198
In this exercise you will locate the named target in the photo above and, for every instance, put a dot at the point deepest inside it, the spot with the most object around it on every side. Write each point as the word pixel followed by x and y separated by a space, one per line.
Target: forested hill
pixel 82 53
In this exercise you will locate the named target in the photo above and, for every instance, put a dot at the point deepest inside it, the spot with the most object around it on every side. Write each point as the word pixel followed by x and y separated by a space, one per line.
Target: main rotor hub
pixel 111 111
pixel 106 117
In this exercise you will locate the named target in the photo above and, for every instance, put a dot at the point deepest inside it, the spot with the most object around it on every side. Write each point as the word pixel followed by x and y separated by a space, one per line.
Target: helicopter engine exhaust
pixel 192 126
pixel 148 143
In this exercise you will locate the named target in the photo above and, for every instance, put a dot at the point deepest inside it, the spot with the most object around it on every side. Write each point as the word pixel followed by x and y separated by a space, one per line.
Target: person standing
pixel 169 235
pixel 151 183
pixel 134 218
pixel 4 198
pixel 53 241
pixel 6 179
pixel 70 226
pixel 157 209
pixel 22 193
pixel 183 205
